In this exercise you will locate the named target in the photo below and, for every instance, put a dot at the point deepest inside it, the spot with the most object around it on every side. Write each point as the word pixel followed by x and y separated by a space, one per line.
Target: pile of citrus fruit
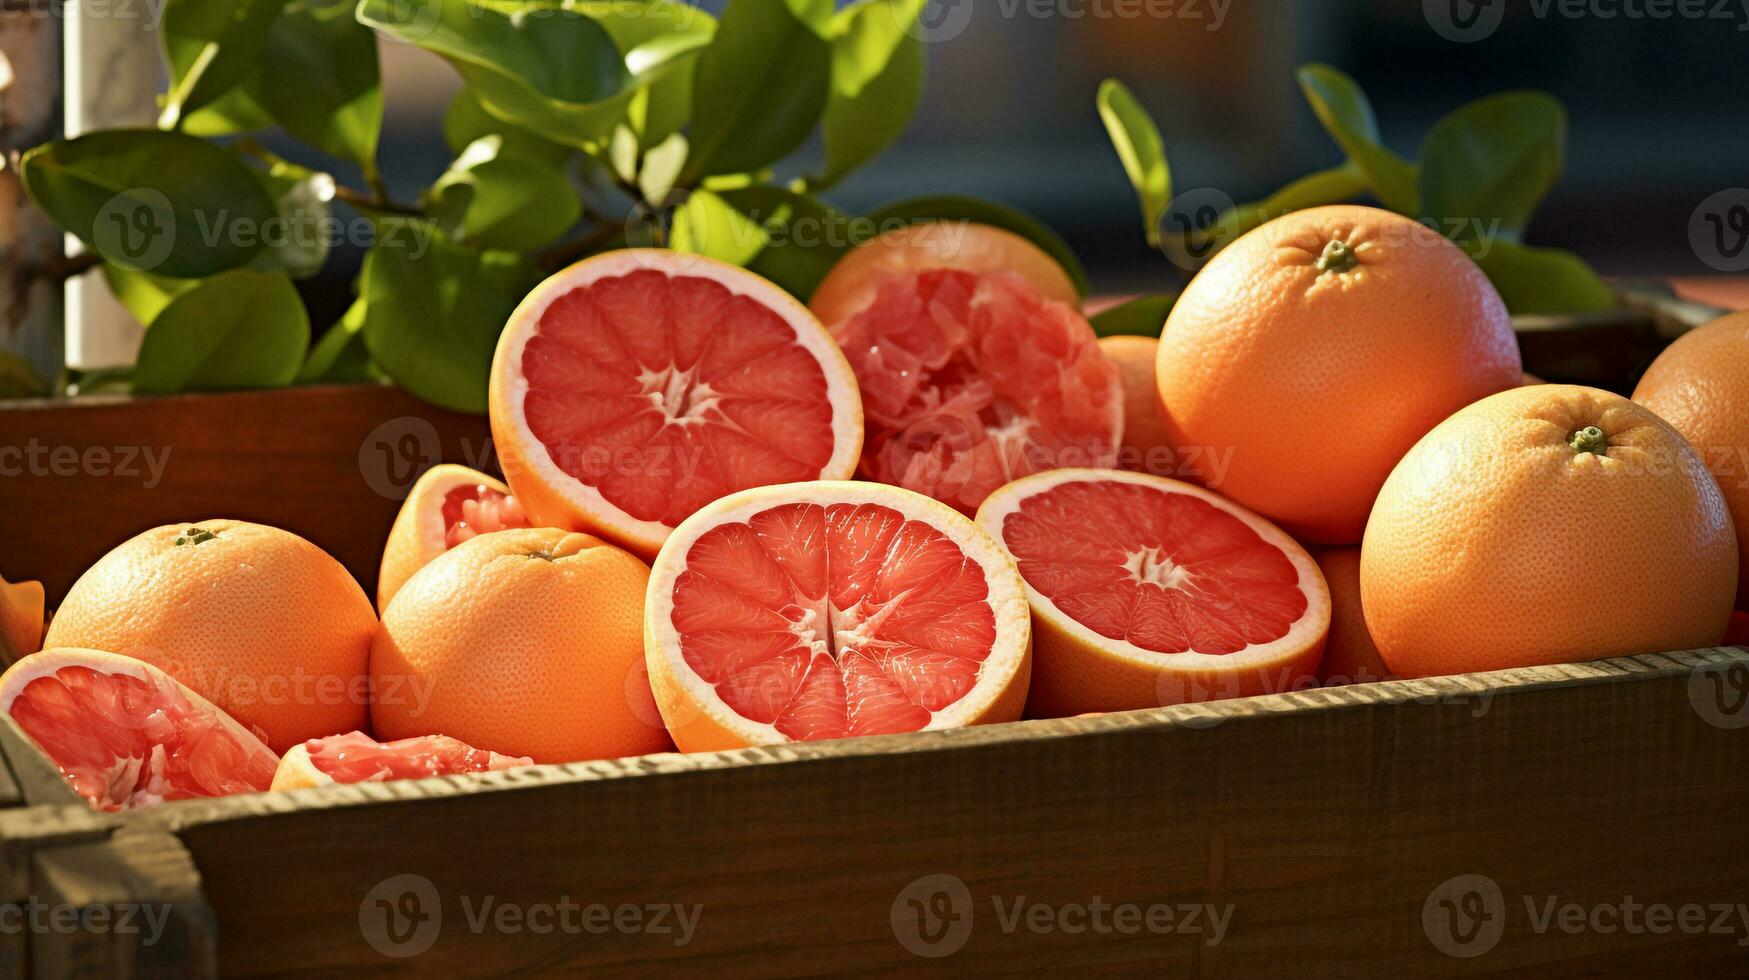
pixel 930 499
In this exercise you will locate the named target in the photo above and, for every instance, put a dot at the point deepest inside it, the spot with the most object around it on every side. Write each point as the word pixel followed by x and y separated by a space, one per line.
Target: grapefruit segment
pixel 831 609
pixel 635 387
pixel 1147 591
pixel 448 505
pixel 973 378
pixel 357 758
pixel 124 734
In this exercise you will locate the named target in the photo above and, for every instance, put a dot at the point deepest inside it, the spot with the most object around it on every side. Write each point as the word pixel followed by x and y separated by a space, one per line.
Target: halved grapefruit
pixel 357 758
pixel 447 505
pixel 972 374
pixel 125 734
pixel 639 385
pixel 829 609
pixel 1147 591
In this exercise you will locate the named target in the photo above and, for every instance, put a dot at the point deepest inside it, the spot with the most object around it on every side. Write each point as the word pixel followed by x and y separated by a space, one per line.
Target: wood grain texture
pixel 1324 820
pixel 139 911
pixel 80 476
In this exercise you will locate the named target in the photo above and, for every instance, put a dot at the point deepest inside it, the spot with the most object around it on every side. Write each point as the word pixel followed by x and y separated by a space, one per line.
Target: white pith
pixel 1007 596
pixel 841 390
pixel 1146 564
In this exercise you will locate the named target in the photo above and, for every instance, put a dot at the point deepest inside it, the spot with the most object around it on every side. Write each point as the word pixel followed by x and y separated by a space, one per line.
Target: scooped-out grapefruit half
pixel 972 372
pixel 831 609
pixel 357 758
pixel 448 504
pixel 633 388
pixel 1148 591
pixel 125 735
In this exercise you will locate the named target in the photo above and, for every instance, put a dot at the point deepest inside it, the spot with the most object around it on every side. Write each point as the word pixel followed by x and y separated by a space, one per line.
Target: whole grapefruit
pixel 1700 385
pixel 1145 448
pixel 1349 654
pixel 257 620
pixel 1317 348
pixel 1546 525
pixel 527 642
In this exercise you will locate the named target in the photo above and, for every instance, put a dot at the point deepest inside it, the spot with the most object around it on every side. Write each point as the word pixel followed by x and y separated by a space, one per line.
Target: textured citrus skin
pixel 1317 382
pixel 1145 448
pixel 1495 544
pixel 957 245
pixel 256 620
pixel 1700 385
pixel 529 641
pixel 409 548
pixel 1075 672
pixel 1349 654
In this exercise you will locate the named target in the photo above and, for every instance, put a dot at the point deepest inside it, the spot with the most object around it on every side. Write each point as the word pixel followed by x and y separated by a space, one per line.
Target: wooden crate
pixel 1403 828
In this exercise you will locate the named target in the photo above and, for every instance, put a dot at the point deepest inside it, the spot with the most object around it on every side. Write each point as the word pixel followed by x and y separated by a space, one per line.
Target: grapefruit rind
pixel 1072 659
pixel 549 494
pixel 48 662
pixel 697 716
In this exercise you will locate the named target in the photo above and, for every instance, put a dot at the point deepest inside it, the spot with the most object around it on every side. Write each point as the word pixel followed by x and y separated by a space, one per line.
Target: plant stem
pixel 375 202
pixel 64 267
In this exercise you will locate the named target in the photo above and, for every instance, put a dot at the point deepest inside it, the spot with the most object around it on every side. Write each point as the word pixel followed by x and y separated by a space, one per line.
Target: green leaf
pixel 144 295
pixel 319 80
pixel 239 329
pixel 1333 186
pixel 706 225
pixel 662 40
pixel 489 200
pixel 804 237
pixel 1141 150
pixel 758 89
pixel 1493 160
pixel 1143 316
pixel 1347 116
pixel 550 70
pixel 298 243
pixel 211 46
pixel 433 314
pixel 878 66
pixel 234 112
pixel 1543 280
pixel 985 212
pixel 152 201
pixel 466 121
pixel 341 357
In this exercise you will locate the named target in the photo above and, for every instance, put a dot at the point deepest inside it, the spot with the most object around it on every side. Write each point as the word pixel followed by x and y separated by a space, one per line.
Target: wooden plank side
pixel 29 776
pixel 129 906
pixel 330 463
pixel 1385 830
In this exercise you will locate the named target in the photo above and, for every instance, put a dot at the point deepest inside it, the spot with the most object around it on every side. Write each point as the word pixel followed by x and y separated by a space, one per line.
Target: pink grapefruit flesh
pixel 358 758
pixel 478 509
pixel 636 387
pixel 125 735
pixel 972 380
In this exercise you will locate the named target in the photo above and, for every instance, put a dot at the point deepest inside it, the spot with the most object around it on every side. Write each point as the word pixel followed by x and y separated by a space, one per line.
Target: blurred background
pixel 1657 123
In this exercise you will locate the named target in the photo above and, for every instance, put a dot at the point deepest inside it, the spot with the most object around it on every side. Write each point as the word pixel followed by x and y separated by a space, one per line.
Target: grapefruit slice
pixel 830 609
pixel 637 386
pixel 961 245
pixel 21 619
pixel 448 505
pixel 126 735
pixel 358 758
pixel 1147 591
pixel 970 376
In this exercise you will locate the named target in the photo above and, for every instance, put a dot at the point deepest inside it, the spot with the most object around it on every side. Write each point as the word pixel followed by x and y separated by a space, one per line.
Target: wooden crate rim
pixel 1417 693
